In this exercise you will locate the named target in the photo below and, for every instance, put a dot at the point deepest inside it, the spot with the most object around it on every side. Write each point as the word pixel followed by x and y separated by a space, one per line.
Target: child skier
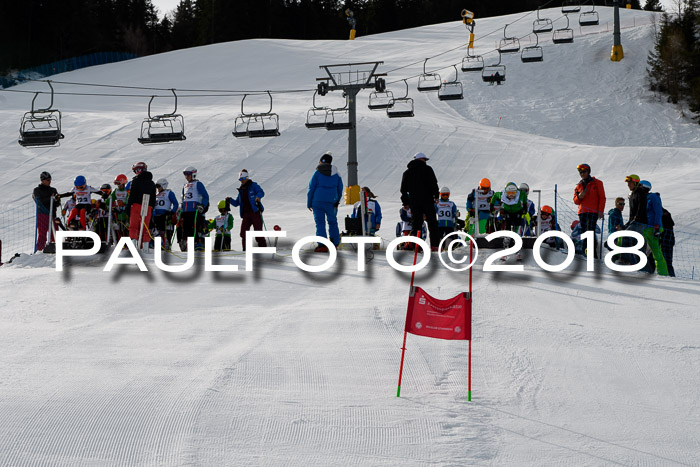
pixel 447 213
pixel 373 212
pixel 166 206
pixel 510 204
pixel 119 198
pixel 223 224
pixel 478 207
pixel 83 205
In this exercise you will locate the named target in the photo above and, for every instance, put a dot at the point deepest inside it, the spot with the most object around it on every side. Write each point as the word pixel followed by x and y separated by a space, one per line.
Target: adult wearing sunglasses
pixel 589 196
pixel 615 224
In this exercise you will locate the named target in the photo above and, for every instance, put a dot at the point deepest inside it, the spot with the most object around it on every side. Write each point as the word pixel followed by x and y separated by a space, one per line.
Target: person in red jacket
pixel 589 195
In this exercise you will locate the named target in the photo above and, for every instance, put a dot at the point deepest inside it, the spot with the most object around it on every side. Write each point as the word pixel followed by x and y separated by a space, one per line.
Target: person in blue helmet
pixel 654 228
pixel 323 198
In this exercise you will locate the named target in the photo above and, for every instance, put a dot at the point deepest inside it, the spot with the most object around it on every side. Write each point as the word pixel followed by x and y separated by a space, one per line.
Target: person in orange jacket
pixel 589 196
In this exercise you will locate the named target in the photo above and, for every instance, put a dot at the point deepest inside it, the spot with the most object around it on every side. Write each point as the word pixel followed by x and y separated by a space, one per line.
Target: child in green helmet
pixel 223 224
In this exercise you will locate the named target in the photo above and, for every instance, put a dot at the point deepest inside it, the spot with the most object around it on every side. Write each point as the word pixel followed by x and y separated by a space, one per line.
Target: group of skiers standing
pixel 162 216
pixel 424 207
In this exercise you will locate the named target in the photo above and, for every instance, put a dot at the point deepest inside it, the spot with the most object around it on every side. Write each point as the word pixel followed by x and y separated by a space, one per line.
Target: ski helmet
pixel 222 204
pixel 484 184
pixel 79 181
pixel 139 167
pixel 45 176
pixel 106 188
pixel 511 187
pixel 574 224
pixel 583 168
pixel 163 182
pixel 120 179
pixel 632 178
pixel 189 170
pixel 445 189
pixel 525 187
pixel 645 184
pixel 546 209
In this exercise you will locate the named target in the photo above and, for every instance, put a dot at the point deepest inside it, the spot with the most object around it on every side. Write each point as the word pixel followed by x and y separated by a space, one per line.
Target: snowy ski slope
pixel 282 367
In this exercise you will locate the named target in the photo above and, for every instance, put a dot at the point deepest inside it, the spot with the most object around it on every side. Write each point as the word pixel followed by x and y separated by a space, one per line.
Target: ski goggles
pixel 583 168
pixel 187 173
pixel 81 187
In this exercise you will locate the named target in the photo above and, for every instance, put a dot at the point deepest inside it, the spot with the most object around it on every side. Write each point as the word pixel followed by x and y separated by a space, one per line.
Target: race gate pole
pixel 142 222
pixel 405 333
pixel 469 364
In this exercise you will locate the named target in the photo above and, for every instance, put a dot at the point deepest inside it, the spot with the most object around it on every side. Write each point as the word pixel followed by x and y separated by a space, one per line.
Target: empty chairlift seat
pixel 589 18
pixel 401 106
pixel 317 116
pixel 380 100
pixel 571 6
pixel 532 53
pixel 541 25
pixel 41 127
pixel 472 63
pixel 451 90
pixel 508 45
pixel 429 81
pixel 257 124
pixel 163 128
pixel 563 35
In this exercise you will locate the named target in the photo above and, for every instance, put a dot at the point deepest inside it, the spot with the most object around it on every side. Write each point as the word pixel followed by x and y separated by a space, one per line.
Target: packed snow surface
pixel 282 367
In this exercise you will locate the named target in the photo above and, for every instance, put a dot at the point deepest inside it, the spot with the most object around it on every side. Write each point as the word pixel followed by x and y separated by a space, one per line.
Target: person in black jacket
pixel 637 204
pixel 42 195
pixel 419 191
pixel 142 184
pixel 668 240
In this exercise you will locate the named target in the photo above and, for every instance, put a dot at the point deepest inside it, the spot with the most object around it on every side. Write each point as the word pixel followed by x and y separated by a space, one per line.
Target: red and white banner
pixel 442 319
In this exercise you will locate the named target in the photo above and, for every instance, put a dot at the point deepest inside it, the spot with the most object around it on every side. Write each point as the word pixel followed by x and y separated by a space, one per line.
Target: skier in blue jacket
pixel 323 198
pixel 251 208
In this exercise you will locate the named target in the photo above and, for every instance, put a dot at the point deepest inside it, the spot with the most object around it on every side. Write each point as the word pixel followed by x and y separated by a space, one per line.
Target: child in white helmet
pixel 166 206
pixel 447 213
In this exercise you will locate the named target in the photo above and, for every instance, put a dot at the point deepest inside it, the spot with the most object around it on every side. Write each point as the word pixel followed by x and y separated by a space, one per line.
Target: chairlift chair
pixel 380 100
pixel 571 6
pixel 541 25
pixel 401 106
pixel 339 118
pixel 495 73
pixel 317 116
pixel 508 45
pixel 472 62
pixel 40 127
pixel 256 125
pixel 163 128
pixel 429 81
pixel 532 53
pixel 451 90
pixel 589 18
pixel 563 35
